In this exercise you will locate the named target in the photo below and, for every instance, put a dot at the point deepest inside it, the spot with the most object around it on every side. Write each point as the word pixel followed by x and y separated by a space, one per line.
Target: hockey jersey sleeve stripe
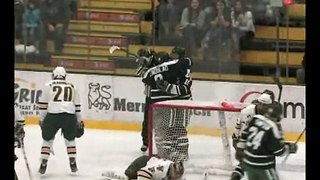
pixel 280 151
pixel 145 174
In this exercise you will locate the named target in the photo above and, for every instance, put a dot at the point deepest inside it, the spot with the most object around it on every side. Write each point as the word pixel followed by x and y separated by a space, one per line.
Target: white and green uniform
pixel 262 141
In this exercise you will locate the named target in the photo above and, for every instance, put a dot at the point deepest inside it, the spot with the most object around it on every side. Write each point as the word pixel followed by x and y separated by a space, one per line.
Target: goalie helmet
pixel 176 170
pixel 145 60
pixel 59 73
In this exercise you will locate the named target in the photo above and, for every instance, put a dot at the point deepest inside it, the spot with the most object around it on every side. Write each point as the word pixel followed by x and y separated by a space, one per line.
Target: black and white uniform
pixel 177 75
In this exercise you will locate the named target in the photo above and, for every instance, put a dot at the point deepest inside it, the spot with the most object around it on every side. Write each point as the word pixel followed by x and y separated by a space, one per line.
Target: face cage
pixel 143 65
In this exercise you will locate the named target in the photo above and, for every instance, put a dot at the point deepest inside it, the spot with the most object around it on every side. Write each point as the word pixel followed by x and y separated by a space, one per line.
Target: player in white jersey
pixel 59 106
pixel 155 168
pixel 258 106
pixel 18 131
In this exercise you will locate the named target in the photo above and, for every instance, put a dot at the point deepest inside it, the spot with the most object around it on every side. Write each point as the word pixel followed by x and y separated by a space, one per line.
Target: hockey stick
pixel 299 137
pixel 279 84
pixel 114 48
pixel 25 159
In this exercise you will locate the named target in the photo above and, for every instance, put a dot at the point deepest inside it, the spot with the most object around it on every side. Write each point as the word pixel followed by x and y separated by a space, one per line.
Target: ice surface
pixel 103 150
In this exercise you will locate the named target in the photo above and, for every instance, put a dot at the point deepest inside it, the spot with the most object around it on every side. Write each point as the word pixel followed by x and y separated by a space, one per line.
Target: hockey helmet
pixel 145 60
pixel 265 98
pixel 178 52
pixel 274 111
pixel 59 73
pixel 271 93
pixel 162 57
pixel 176 170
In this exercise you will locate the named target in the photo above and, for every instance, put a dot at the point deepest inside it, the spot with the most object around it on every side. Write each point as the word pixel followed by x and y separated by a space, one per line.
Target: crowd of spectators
pixel 210 29
pixel 37 21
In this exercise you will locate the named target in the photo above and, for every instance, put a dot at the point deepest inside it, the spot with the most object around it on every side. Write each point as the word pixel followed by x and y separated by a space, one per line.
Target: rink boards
pixel 117 102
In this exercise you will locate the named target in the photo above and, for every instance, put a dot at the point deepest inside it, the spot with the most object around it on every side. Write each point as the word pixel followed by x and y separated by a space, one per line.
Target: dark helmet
pixel 274 110
pixel 162 57
pixel 178 52
pixel 145 52
pixel 177 170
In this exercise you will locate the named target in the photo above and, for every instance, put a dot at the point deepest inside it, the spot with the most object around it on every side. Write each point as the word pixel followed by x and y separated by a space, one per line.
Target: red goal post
pixel 164 116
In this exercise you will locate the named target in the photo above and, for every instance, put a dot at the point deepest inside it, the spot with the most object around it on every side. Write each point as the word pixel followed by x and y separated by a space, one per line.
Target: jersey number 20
pixel 62 93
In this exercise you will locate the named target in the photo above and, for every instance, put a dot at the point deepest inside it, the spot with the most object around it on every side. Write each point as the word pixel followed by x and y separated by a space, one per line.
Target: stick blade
pixel 113 48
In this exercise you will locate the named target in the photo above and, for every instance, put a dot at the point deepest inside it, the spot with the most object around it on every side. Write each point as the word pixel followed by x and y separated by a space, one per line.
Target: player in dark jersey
pixel 258 106
pixel 148 58
pixel 171 80
pixel 260 142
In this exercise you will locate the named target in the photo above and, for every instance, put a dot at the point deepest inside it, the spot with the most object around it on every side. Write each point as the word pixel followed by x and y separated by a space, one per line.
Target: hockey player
pixel 19 132
pixel 259 106
pixel 148 58
pixel 260 142
pixel 59 106
pixel 171 81
pixel 155 168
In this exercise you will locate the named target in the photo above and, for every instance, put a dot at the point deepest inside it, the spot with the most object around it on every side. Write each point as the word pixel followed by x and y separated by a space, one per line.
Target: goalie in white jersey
pixel 258 106
pixel 59 106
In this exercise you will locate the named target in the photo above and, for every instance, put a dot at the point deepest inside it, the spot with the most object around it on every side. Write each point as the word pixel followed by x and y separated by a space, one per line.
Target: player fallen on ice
pixel 154 168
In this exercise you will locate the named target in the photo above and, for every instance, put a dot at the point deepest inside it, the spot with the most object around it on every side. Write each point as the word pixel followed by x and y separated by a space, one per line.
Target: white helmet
pixel 265 98
pixel 59 73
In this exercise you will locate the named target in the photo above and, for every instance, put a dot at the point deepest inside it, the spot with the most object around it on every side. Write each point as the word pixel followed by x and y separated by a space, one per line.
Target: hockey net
pixel 195 132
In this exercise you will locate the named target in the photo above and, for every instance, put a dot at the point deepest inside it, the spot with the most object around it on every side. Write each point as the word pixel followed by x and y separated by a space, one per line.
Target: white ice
pixel 103 150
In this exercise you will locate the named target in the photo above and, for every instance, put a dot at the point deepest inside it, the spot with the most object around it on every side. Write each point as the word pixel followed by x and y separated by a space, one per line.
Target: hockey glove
pixel 239 154
pixel 293 147
pixel 235 141
pixel 80 129
pixel 167 87
pixel 162 85
pixel 19 131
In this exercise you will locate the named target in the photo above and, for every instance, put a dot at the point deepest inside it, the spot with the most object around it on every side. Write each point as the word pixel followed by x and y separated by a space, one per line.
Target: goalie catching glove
pixel 80 129
pixel 167 87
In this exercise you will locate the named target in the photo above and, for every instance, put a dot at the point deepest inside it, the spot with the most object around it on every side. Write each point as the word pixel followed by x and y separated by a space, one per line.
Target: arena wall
pixel 117 102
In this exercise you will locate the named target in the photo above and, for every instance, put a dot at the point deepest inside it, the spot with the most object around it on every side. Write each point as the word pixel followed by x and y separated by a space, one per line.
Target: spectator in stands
pixel 192 22
pixel 167 18
pixel 55 16
pixel 301 72
pixel 219 33
pixel 31 20
pixel 243 28
pixel 18 13
pixel 73 5
pixel 262 11
pixel 210 11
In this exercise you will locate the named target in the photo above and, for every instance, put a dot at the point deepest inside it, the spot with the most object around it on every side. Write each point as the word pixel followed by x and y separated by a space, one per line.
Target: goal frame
pixel 196 105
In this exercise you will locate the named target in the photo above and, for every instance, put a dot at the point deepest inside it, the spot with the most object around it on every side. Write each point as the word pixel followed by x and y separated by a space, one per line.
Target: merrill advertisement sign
pixel 114 98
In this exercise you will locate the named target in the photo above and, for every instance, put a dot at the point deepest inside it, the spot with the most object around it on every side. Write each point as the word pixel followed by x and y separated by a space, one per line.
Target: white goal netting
pixel 195 132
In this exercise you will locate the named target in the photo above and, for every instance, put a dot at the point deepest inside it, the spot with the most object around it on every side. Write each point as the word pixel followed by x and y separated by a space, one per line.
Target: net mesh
pixel 196 134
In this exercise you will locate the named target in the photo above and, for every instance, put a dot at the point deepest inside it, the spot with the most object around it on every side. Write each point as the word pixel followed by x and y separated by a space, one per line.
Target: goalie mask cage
pixel 185 130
